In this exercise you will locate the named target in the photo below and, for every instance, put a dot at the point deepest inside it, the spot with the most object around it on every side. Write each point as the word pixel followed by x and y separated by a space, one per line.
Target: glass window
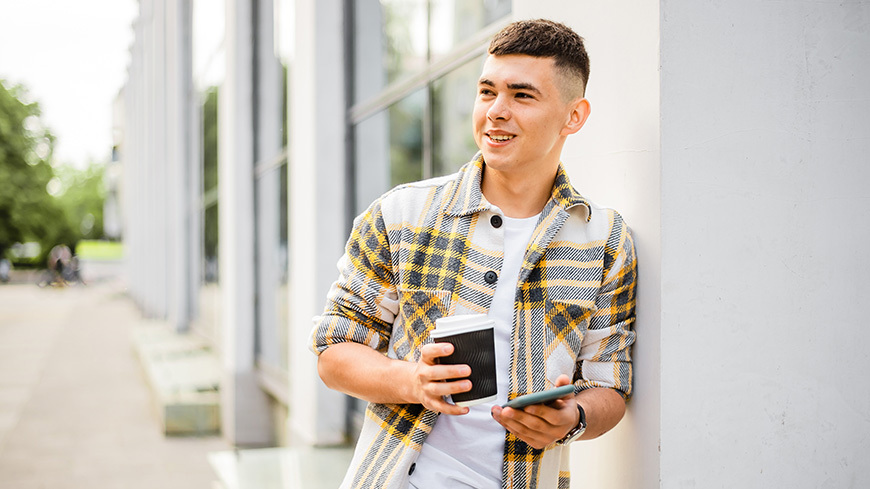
pixel 452 104
pixel 405 50
pixel 406 138
pixel 413 88
pixel 415 65
pixel 454 21
pixel 275 34
pixel 388 148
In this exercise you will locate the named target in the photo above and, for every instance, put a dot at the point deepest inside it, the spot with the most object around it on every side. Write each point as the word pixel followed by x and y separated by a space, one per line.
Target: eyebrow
pixel 511 86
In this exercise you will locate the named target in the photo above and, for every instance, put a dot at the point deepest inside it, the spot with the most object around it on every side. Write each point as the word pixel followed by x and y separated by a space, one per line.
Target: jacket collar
pixel 466 198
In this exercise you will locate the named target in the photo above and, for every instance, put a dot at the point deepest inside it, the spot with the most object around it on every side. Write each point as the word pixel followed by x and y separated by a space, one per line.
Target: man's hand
pixel 539 425
pixel 430 380
pixel 360 371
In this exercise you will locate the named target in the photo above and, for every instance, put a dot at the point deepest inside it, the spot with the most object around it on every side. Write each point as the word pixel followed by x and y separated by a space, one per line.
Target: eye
pixel 523 95
pixel 486 91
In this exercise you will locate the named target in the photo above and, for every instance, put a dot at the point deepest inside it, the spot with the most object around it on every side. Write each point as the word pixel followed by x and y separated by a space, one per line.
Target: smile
pixel 500 138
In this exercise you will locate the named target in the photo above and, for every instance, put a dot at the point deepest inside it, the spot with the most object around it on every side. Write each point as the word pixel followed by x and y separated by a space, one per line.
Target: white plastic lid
pixel 462 323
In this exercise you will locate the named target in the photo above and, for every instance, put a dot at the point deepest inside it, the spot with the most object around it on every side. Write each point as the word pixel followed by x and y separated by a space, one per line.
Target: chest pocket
pixel 567 322
pixel 418 310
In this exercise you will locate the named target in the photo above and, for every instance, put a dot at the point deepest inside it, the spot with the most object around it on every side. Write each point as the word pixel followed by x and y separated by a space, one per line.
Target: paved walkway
pixel 74 408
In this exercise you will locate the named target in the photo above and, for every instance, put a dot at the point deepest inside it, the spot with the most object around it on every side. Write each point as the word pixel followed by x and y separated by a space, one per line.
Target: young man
pixel 507 236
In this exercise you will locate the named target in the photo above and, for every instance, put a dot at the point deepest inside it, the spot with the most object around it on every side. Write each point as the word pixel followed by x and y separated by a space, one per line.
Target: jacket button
pixel 490 277
pixel 411 470
pixel 495 221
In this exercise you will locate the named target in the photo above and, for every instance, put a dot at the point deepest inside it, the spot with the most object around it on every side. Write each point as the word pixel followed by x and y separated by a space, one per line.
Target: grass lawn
pixel 99 250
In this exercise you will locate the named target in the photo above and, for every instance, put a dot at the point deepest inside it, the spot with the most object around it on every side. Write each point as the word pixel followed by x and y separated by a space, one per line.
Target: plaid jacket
pixel 421 251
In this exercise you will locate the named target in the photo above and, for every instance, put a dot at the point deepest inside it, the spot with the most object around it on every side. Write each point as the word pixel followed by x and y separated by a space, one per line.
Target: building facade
pixel 731 136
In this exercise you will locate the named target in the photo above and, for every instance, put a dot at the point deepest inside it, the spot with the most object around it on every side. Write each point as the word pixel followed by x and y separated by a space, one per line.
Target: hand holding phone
pixel 542 397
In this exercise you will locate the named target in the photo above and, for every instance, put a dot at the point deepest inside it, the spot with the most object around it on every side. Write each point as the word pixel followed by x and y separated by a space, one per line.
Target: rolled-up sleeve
pixel 605 357
pixel 362 303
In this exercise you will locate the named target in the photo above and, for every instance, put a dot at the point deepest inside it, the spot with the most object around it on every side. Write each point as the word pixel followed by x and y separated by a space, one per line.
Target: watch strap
pixel 578 430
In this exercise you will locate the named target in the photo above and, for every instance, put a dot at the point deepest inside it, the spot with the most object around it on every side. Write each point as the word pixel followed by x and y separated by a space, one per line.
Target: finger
pixel 430 352
pixel 438 373
pixel 534 438
pixel 547 418
pixel 435 397
pixel 557 413
pixel 439 389
pixel 564 380
pixel 537 439
pixel 442 406
pixel 528 421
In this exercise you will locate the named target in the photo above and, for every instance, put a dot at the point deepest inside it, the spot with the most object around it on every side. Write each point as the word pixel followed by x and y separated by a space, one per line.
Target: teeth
pixel 500 138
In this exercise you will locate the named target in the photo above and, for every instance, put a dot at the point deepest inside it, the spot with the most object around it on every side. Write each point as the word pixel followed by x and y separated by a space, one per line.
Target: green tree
pixel 210 172
pixel 27 211
pixel 81 197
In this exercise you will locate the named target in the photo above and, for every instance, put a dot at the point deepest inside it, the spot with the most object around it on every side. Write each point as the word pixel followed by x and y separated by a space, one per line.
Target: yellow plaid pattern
pixel 421 252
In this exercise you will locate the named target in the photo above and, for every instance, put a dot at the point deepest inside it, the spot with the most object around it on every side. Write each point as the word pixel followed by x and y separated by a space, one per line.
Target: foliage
pixel 100 250
pixel 28 211
pixel 210 171
pixel 81 196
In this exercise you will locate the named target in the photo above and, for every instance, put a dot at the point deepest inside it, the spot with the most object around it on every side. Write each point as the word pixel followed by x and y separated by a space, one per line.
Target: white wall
pixel 753 251
pixel 614 161
pixel 764 197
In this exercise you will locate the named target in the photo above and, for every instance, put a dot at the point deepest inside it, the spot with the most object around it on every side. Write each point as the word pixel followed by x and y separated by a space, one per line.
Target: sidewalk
pixel 74 408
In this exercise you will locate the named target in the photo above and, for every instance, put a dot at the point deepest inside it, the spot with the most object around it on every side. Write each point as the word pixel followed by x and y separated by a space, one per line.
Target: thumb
pixel 564 380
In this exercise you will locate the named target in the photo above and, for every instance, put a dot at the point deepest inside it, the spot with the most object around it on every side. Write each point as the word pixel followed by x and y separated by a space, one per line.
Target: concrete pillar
pixel 244 405
pixel 179 89
pixel 317 207
pixel 157 163
pixel 130 162
pixel 268 146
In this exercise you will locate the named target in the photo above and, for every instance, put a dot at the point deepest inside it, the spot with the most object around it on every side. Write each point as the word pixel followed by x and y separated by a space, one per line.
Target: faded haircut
pixel 544 38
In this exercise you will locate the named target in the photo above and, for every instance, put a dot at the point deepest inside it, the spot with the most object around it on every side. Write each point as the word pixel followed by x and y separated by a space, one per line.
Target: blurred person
pixel 5 269
pixel 59 259
pixel 508 236
pixel 73 273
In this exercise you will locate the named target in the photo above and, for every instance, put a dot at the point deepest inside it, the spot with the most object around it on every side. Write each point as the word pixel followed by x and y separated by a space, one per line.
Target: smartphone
pixel 540 397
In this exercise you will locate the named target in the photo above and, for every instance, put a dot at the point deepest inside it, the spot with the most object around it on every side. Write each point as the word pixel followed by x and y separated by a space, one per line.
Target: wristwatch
pixel 577 431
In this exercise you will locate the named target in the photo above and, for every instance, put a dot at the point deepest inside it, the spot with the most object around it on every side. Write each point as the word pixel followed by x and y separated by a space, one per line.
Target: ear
pixel 580 109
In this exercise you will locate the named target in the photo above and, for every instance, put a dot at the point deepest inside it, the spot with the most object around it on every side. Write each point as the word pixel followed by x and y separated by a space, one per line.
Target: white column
pixel 193 193
pixel 158 163
pixel 130 163
pixel 244 406
pixel 269 105
pixel 146 155
pixel 317 207
pixel 178 91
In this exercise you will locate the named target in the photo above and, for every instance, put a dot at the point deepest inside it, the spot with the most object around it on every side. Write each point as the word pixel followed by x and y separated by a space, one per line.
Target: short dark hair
pixel 544 38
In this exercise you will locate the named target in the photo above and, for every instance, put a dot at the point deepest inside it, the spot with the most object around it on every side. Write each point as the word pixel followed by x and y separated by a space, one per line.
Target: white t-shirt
pixel 467 451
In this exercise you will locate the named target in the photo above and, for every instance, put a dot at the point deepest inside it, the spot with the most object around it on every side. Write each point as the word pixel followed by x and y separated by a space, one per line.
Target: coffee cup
pixel 472 337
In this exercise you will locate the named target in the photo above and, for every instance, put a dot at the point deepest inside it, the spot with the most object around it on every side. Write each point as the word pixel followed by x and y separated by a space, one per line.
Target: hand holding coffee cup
pixel 433 382
pixel 472 337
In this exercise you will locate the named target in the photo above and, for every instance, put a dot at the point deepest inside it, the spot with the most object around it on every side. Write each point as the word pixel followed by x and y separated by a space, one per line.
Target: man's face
pixel 520 116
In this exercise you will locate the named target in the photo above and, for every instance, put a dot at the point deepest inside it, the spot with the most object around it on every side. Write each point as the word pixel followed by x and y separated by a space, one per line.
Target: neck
pixel 517 195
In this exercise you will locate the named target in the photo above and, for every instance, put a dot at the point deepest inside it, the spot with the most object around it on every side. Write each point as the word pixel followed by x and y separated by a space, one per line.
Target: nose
pixel 499 110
